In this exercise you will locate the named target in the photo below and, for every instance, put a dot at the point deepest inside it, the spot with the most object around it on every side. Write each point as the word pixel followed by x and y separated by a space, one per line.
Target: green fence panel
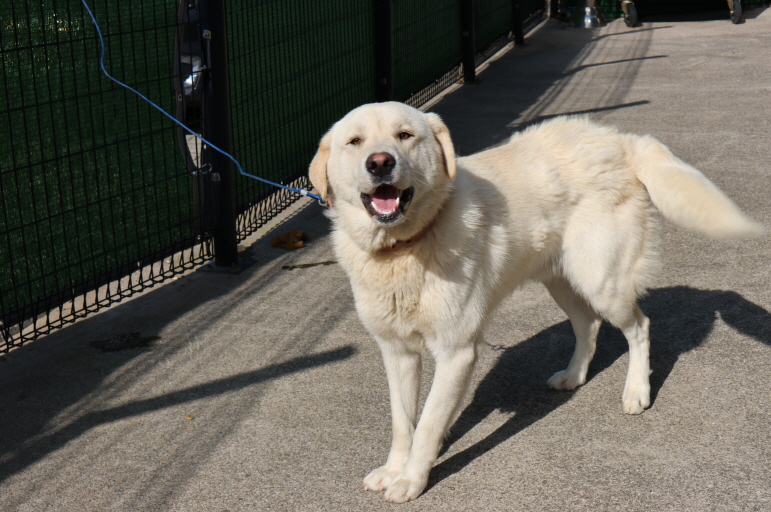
pixel 295 67
pixel 493 19
pixel 427 43
pixel 90 177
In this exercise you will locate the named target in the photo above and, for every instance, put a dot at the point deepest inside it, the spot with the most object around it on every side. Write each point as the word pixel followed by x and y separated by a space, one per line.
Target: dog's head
pixel 386 165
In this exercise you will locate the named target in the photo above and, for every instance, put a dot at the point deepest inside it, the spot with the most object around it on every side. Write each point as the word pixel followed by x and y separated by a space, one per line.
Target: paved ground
pixel 286 391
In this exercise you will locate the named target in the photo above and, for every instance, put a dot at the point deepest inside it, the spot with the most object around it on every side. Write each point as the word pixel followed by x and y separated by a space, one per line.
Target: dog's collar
pixel 403 244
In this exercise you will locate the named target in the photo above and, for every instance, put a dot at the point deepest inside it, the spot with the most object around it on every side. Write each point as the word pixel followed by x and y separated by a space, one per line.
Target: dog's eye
pixel 355 141
pixel 404 135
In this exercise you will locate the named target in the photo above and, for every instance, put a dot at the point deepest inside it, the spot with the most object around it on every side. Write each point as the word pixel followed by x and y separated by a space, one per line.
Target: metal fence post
pixel 217 129
pixel 384 50
pixel 468 40
pixel 517 22
pixel 554 7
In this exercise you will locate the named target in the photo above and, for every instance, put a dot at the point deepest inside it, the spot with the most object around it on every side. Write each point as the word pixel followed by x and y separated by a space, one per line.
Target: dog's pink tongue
pixel 386 198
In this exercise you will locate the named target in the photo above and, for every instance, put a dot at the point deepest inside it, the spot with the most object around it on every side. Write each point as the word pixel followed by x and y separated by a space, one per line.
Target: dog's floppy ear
pixel 317 171
pixel 442 136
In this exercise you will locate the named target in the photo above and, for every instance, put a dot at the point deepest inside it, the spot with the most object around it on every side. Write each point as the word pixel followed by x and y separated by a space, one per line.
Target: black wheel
pixel 737 16
pixel 631 16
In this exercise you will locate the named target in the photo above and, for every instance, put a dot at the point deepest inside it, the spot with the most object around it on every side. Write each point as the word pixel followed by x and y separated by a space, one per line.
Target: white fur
pixel 567 203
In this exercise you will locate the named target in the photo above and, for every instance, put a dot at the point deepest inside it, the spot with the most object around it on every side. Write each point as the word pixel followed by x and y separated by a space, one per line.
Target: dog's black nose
pixel 380 164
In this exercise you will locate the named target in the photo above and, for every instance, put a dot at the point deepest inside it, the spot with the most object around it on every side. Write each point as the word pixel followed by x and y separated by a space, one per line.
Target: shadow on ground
pixel 44 378
pixel 19 454
pixel 524 86
pixel 681 319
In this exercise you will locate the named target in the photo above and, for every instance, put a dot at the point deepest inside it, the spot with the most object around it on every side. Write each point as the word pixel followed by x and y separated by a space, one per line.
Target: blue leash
pixel 301 191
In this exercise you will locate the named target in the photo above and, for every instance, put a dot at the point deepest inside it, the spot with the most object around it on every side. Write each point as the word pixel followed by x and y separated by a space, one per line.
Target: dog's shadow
pixel 681 318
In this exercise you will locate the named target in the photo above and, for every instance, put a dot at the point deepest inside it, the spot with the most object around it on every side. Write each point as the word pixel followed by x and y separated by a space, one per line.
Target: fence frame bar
pixel 517 22
pixel 217 128
pixel 384 49
pixel 468 41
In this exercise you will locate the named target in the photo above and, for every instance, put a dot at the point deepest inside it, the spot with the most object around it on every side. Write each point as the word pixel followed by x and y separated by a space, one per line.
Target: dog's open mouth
pixel 387 203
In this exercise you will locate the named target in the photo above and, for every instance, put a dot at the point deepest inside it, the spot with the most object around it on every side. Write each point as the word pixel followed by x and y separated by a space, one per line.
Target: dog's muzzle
pixel 386 203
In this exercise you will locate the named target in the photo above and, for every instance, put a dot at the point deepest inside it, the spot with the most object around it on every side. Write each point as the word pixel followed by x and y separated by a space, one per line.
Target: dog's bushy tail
pixel 687 197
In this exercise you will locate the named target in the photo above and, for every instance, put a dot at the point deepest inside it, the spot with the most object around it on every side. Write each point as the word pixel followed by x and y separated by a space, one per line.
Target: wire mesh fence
pixel 93 187
pixel 295 65
pixel 426 43
pixel 102 197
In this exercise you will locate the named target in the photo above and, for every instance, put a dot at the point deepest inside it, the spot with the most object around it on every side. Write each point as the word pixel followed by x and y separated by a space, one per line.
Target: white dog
pixel 432 244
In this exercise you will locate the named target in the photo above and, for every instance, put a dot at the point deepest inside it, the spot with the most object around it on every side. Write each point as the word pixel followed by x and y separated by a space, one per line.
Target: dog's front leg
pixel 402 367
pixel 454 367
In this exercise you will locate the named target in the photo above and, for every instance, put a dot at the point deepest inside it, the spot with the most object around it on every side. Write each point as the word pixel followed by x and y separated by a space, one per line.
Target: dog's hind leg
pixel 609 256
pixel 637 390
pixel 635 326
pixel 403 368
pixel 586 324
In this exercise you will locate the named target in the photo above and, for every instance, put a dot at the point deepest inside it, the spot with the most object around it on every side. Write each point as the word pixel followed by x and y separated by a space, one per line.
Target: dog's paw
pixel 405 489
pixel 636 399
pixel 379 479
pixel 564 380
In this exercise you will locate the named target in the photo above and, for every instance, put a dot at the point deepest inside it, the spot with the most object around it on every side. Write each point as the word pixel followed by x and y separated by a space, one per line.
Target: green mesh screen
pixel 493 19
pixel 90 177
pixel 295 67
pixel 426 43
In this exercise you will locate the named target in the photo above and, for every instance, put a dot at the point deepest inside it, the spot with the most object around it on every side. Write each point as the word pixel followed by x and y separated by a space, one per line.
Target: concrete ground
pixel 264 392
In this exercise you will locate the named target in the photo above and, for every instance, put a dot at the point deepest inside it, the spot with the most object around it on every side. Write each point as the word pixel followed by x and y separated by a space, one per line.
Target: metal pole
pixel 384 50
pixel 517 23
pixel 468 41
pixel 217 129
